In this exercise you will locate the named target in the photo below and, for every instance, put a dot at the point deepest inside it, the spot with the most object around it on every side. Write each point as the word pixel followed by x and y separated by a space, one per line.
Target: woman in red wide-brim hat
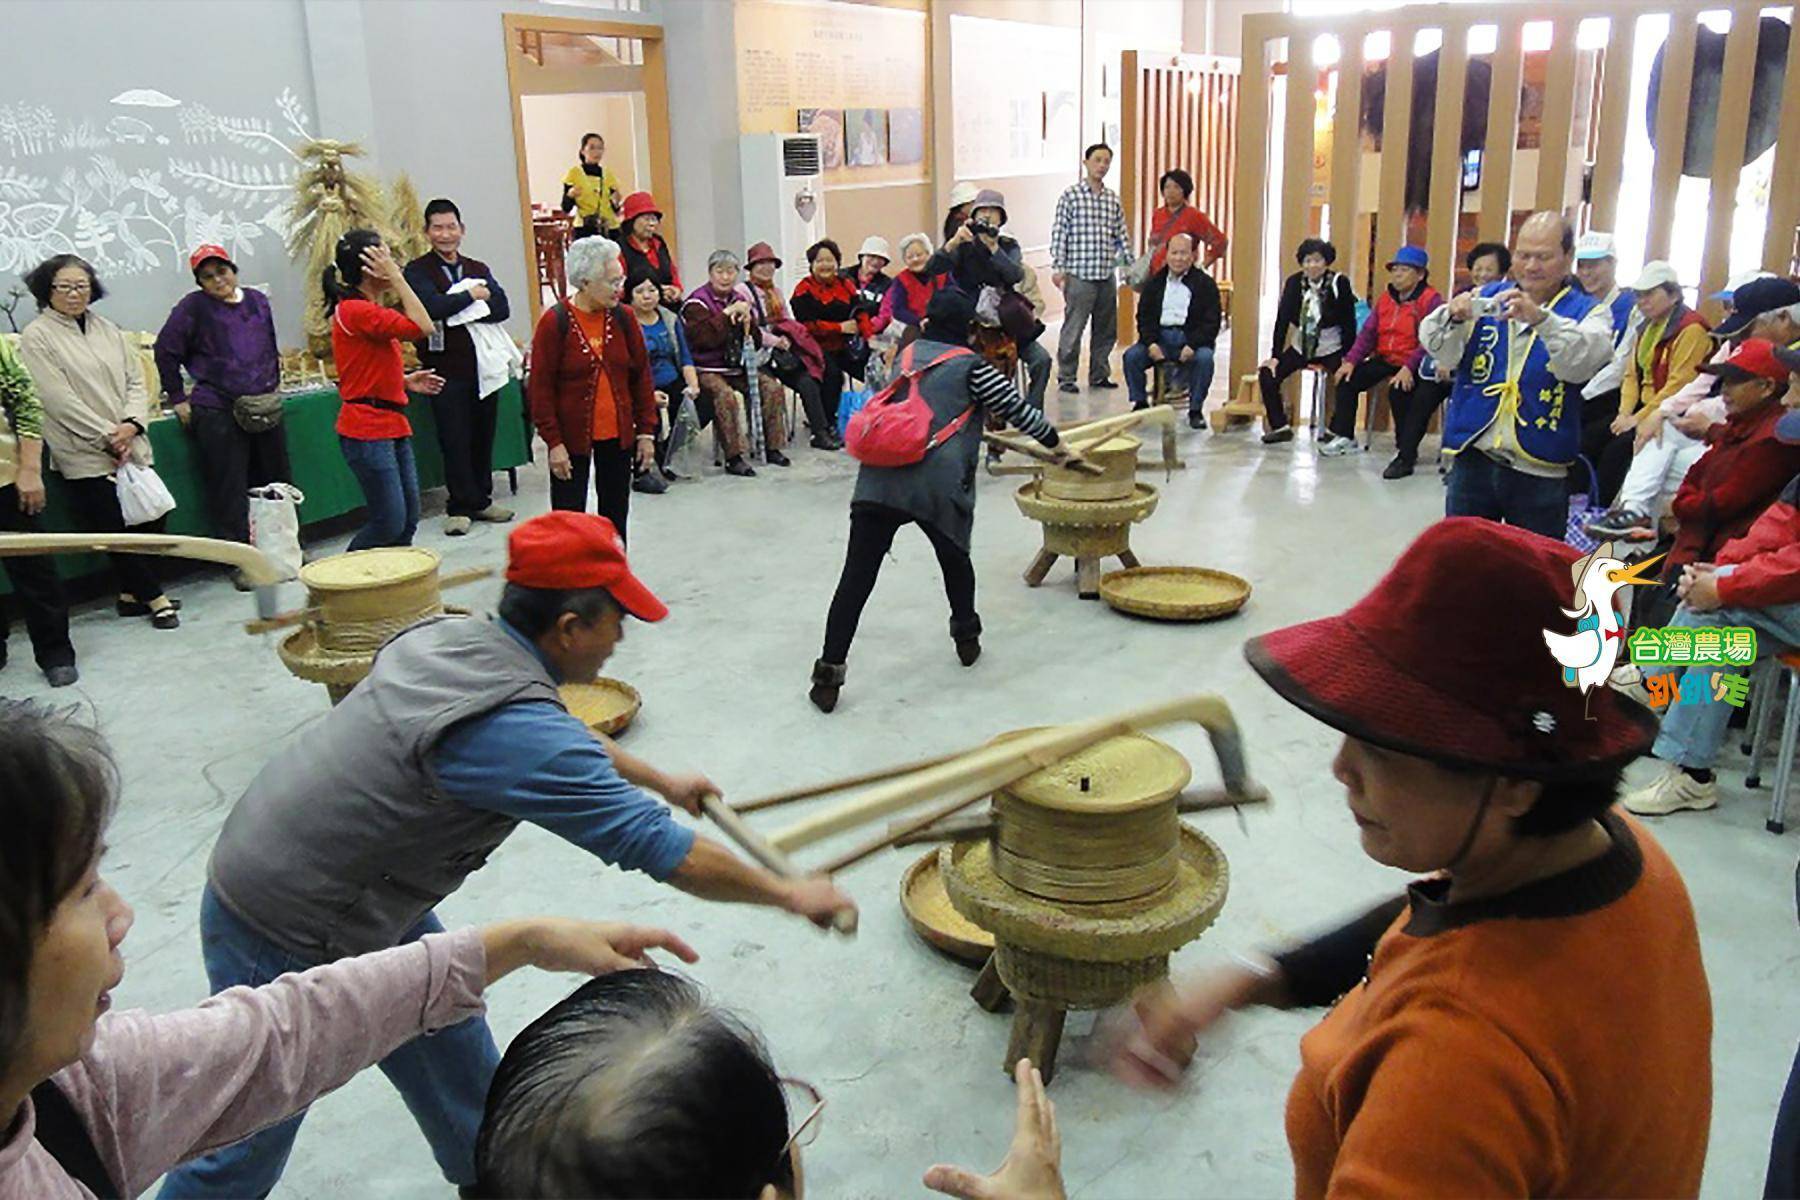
pixel 1531 1017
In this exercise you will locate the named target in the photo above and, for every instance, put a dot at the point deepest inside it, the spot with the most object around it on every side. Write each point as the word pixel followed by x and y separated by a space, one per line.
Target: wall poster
pixel 1007 122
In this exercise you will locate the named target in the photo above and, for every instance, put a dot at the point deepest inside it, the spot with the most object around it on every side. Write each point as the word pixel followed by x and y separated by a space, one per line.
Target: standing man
pixel 1513 423
pixel 1177 323
pixel 224 336
pixel 35 583
pixel 350 837
pixel 1597 267
pixel 467 408
pixel 1087 245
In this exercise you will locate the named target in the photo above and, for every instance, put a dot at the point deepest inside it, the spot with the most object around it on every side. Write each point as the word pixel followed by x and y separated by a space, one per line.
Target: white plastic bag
pixel 143 496
pixel 275 524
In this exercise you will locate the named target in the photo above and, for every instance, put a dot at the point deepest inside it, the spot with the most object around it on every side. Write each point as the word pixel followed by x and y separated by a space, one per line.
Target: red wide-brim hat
pixel 1445 660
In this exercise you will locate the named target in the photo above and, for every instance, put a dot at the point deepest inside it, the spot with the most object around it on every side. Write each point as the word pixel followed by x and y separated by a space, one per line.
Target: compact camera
pixel 1484 306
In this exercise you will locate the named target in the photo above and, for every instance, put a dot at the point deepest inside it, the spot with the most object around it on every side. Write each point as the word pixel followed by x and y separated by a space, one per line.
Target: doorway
pixel 570 77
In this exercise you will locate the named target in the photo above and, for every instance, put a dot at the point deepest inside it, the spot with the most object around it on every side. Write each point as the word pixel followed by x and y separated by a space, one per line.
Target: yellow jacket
pixel 595 195
pixel 1676 358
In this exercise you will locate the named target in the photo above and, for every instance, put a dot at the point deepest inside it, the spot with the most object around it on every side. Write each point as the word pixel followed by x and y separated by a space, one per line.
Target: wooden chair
pixel 552 233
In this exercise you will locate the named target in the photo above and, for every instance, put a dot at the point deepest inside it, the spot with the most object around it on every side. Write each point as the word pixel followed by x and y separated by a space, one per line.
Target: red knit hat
pixel 636 205
pixel 567 551
pixel 1445 660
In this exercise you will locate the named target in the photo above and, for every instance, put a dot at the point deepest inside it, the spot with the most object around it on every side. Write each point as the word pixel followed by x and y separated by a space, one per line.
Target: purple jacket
pixel 229 349
pixel 709 331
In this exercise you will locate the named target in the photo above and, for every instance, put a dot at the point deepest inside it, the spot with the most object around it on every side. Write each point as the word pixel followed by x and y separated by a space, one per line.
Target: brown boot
pixel 967 636
pixel 827 680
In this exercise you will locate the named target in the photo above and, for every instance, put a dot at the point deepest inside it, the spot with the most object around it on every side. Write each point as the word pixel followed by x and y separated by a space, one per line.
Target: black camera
pixel 983 229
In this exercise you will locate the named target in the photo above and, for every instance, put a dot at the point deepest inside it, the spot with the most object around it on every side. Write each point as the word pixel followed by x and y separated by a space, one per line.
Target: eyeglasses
pixel 802 1094
pixel 72 289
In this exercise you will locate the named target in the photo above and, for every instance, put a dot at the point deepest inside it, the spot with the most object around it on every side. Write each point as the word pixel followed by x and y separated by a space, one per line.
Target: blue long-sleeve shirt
pixel 533 761
pixel 666 343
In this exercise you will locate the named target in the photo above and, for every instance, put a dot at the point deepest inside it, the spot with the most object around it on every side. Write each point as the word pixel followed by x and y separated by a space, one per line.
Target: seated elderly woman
pixel 724 334
pixel 97 1103
pixel 638 1086
pixel 599 419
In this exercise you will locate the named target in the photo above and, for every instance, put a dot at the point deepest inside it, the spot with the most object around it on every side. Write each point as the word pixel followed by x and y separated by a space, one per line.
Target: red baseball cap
pixel 1754 359
pixel 1446 660
pixel 210 250
pixel 567 551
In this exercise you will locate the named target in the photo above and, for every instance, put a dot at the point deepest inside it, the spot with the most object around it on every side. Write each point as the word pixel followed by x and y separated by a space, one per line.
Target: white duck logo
pixel 1589 655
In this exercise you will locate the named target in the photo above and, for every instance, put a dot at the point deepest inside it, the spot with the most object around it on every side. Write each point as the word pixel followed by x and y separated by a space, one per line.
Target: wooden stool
pixel 1160 394
pixel 1242 409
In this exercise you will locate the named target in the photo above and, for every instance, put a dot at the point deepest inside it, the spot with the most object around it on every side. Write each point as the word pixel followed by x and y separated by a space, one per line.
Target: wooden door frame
pixel 656 117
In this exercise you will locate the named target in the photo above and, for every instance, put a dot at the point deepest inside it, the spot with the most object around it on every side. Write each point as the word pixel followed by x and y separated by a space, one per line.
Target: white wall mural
pixel 135 187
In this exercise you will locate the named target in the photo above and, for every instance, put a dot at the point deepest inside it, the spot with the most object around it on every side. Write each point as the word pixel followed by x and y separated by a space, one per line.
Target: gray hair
pixel 910 238
pixel 722 258
pixel 587 259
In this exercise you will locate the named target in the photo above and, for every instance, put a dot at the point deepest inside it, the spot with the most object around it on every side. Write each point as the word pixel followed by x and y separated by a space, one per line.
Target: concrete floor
pixel 882 1024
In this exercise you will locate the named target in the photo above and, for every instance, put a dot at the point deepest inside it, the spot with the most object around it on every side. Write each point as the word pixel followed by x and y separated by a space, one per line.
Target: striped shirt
pixel 996 395
pixel 1087 237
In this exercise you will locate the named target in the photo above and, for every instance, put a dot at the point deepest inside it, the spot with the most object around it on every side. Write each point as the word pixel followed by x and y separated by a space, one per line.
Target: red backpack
pixel 894 428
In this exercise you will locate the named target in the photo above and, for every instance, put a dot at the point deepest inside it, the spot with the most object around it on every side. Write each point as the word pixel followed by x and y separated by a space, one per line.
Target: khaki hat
pixel 1656 274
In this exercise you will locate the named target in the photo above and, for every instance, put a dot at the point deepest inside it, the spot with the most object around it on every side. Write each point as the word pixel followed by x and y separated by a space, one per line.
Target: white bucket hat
pixel 877 245
pixel 1656 274
pixel 963 193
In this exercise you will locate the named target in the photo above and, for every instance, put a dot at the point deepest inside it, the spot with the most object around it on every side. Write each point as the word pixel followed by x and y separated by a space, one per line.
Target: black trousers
pixel 36 589
pixel 1366 374
pixel 872 529
pixel 1412 414
pixel 1609 452
pixel 1289 361
pixel 1783 1179
pixel 839 365
pixel 818 421
pixel 465 430
pixel 231 463
pixel 611 468
pixel 96 505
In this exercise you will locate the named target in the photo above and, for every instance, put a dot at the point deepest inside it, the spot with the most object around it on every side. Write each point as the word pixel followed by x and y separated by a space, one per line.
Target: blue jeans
pixel 390 484
pixel 442 1077
pixel 1691 734
pixel 1196 375
pixel 1482 487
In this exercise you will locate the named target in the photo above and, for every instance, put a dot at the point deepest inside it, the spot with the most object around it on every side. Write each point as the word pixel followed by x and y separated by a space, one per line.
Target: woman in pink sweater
pixel 100 1103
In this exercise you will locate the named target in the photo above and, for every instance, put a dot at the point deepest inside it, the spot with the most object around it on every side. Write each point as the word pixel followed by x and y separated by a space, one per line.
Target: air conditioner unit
pixel 784 197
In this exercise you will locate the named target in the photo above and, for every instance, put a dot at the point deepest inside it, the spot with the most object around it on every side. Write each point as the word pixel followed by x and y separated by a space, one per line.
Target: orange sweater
pixel 1553 1042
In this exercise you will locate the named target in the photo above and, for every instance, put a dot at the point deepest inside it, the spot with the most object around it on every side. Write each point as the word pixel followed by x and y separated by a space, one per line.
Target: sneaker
pixel 1068 387
pixel 650 483
pixel 494 515
pixel 1284 434
pixel 1196 420
pixel 1337 447
pixel 1675 791
pixel 1628 681
pixel 62 676
pixel 457 526
pixel 1104 384
pixel 1400 468
pixel 1624 523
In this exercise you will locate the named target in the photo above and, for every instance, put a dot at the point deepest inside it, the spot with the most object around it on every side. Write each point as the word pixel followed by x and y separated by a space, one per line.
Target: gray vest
pixel 343 840
pixel 938 490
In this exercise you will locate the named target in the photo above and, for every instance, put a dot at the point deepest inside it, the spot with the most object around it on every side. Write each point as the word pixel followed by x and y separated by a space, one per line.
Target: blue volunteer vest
pixel 1622 305
pixel 1545 411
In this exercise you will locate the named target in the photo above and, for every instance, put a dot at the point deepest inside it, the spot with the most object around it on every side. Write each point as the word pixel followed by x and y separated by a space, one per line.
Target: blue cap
pixel 1410 256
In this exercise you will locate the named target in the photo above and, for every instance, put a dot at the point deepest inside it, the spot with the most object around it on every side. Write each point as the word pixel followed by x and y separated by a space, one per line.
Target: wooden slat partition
pixel 1176 111
pixel 1784 202
pixel 1559 166
pixel 1671 136
pixel 1615 120
pixel 1346 145
pixel 1559 117
pixel 1728 145
pixel 1446 155
pixel 1502 133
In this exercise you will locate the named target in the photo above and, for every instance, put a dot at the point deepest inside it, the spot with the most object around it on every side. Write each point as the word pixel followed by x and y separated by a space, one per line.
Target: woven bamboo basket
pixel 1073 982
pixel 934 918
pixel 606 705
pixel 1175 593
pixel 1139 503
pixel 367 596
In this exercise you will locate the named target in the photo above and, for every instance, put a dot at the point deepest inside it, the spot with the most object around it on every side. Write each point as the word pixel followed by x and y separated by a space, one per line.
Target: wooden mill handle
pixel 768 856
pixel 993 767
pixel 1033 450
pixel 258 568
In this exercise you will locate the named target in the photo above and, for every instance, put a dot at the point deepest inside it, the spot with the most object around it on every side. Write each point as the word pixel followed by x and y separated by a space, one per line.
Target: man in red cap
pixel 223 336
pixel 1753 580
pixel 1474 1046
pixel 350 836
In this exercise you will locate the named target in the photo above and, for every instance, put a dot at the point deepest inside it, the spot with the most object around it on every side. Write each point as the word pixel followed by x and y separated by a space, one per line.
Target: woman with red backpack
pixel 935 491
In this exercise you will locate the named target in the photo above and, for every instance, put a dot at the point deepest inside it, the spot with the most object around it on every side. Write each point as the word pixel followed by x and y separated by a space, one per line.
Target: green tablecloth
pixel 313 451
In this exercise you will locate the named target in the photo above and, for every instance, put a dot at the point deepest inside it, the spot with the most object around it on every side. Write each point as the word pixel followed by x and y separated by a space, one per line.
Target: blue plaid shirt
pixel 1087 238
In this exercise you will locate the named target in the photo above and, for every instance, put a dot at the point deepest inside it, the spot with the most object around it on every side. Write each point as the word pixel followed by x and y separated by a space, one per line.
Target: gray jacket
pixel 343 840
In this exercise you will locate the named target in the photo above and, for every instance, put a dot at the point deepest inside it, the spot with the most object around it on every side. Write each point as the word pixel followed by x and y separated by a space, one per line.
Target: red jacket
pixel 1767 558
pixel 1740 475
pixel 823 308
pixel 560 386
